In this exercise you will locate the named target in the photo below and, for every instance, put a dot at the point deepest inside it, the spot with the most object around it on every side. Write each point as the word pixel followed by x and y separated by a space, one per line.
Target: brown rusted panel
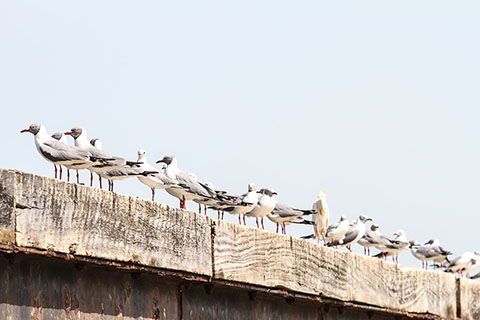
pixel 42 288
pixel 7 207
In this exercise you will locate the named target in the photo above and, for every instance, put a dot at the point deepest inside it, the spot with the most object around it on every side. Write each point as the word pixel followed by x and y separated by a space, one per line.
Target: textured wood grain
pixel 7 207
pixel 469 299
pixel 263 258
pixel 71 218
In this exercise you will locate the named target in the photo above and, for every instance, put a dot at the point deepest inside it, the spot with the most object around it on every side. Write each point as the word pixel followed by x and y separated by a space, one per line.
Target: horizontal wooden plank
pixel 254 256
pixel 70 218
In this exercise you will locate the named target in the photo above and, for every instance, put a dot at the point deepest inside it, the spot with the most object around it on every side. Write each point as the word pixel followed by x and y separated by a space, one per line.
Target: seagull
pixel 266 203
pixel 321 217
pixel 155 181
pixel 242 205
pixel 57 152
pixel 472 265
pixel 355 232
pixel 191 188
pixel 62 138
pixel 334 233
pixel 373 238
pixel 283 214
pixel 398 244
pixel 106 161
pixel 463 262
pixel 440 253
pixel 97 143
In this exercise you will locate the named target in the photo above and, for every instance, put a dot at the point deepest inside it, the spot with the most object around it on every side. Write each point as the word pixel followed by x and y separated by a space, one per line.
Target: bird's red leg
pixel 239 220
pixel 184 203
pixel 60 172
pixel 284 229
pixel 100 181
pixel 258 227
pixel 205 209
pixel 153 194
pixel 68 175
pixel 199 208
pixel 91 179
pixel 112 185
pixel 244 222
pixel 78 178
pixel 55 170
pixel 262 224
pixel 277 228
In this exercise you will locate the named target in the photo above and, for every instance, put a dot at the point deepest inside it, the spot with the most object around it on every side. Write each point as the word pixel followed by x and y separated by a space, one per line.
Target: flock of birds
pixel 85 154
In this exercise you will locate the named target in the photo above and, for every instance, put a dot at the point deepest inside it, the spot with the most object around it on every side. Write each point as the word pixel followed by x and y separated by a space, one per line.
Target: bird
pixel 373 238
pixel 354 233
pixel 283 213
pixel 156 180
pixel 62 138
pixel 334 233
pixel 440 253
pixel 397 245
pixel 462 262
pixel 321 217
pixel 104 161
pixel 240 205
pixel 57 152
pixel 266 203
pixel 97 143
pixel 191 187
pixel 337 231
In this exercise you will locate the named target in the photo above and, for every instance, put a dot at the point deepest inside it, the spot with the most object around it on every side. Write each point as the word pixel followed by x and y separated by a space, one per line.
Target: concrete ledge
pixel 78 221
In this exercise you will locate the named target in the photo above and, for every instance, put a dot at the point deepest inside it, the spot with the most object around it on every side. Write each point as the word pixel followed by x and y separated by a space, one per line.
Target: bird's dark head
pixel 57 135
pixel 33 129
pixel 364 219
pixel 75 132
pixel 167 160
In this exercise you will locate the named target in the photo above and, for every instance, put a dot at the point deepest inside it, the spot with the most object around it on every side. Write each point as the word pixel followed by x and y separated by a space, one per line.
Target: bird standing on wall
pixel 62 138
pixel 192 188
pixel 320 218
pixel 284 214
pixel 156 180
pixel 246 203
pixel 265 205
pixel 355 232
pixel 57 152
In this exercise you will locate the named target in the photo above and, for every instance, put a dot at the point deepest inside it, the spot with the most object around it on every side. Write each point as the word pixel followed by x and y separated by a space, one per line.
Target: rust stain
pixel 67 301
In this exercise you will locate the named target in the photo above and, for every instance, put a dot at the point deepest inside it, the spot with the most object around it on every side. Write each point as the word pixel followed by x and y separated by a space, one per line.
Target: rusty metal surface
pixel 36 288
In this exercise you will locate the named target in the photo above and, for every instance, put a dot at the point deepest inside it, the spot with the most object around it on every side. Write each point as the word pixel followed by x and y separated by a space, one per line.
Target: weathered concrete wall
pixel 240 271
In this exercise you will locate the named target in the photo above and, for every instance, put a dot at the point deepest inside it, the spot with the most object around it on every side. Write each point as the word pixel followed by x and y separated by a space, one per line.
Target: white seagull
pixel 355 232
pixel 57 152
pixel 244 204
pixel 156 180
pixel 284 214
pixel 191 188
pixel 266 203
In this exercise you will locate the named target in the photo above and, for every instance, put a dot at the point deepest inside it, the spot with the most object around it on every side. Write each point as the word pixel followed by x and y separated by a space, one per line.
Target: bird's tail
pixel 310 236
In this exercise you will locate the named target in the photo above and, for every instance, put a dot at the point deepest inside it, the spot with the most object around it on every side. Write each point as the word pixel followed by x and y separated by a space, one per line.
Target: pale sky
pixel 376 102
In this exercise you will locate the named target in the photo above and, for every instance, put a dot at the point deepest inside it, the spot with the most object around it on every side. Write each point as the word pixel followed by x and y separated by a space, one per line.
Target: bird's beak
pixel 68 133
pixel 274 192
pixel 259 191
pixel 395 234
pixel 159 161
pixel 25 130
pixel 369 219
